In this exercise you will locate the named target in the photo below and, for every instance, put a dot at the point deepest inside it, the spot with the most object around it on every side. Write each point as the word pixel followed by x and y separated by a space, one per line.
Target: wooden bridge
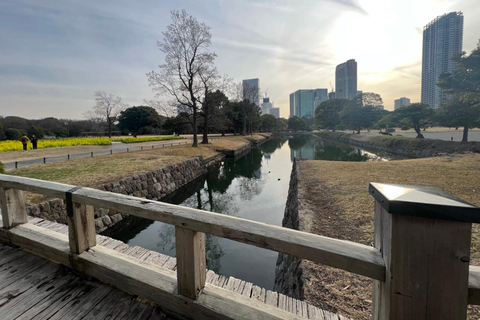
pixel 420 262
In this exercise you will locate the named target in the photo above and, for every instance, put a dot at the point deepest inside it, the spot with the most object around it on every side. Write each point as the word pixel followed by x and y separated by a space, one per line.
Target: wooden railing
pixel 419 262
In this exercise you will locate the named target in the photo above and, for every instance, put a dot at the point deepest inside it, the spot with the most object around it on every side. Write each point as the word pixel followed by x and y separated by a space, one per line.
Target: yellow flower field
pixel 13 145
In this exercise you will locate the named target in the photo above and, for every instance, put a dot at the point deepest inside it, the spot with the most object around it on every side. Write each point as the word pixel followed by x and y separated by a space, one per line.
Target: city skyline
pixel 55 55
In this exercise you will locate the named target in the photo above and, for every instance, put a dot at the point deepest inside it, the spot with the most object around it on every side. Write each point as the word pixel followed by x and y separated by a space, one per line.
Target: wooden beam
pixel 191 262
pixel 154 284
pixel 14 212
pixel 426 264
pixel 48 188
pixel 346 255
pixel 474 285
pixel 81 228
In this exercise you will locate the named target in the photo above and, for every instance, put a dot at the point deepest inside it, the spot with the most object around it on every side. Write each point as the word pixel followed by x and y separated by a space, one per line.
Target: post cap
pixel 427 202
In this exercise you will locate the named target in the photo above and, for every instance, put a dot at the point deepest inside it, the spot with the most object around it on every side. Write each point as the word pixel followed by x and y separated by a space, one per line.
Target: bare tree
pixel 106 109
pixel 163 108
pixel 188 70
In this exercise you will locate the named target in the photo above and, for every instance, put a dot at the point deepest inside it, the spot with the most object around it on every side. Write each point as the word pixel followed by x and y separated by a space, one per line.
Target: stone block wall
pixel 153 185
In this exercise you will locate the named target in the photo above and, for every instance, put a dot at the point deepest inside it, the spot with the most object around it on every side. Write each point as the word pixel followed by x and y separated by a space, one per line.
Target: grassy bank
pixel 91 172
pixel 410 147
pixel 336 203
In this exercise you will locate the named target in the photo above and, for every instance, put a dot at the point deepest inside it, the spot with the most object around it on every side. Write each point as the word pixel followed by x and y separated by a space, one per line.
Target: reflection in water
pixel 306 147
pixel 253 187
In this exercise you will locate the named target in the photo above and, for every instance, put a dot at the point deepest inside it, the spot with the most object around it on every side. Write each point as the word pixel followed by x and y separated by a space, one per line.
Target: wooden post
pixel 14 212
pixel 424 235
pixel 191 262
pixel 81 224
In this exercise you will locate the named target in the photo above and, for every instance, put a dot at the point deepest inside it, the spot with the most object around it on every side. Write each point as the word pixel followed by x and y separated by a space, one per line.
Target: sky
pixel 55 54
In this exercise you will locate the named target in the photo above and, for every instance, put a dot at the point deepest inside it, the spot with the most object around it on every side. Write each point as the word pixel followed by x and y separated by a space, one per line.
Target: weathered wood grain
pixel 81 228
pixel 346 255
pixel 191 261
pixel 13 207
pixel 426 277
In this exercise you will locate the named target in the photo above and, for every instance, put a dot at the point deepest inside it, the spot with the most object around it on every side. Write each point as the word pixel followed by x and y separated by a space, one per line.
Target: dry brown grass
pixel 91 172
pixel 337 203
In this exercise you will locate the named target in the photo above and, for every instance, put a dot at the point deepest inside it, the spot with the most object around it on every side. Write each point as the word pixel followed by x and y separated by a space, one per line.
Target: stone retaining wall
pixel 288 272
pixel 153 185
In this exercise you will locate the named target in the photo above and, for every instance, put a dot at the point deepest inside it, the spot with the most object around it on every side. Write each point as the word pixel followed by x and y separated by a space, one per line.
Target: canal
pixel 253 187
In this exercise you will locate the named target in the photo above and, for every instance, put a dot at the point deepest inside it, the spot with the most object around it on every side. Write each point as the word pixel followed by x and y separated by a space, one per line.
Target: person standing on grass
pixel 34 142
pixel 24 139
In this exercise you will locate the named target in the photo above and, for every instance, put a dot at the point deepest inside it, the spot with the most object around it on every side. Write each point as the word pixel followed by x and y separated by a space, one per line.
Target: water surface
pixel 254 187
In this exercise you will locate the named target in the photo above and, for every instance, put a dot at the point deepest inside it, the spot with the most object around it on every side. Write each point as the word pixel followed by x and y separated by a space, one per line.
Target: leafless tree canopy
pixel 106 109
pixel 188 72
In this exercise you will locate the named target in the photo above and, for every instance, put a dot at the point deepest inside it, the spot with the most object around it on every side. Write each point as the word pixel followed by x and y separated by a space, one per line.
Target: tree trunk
pixel 465 134
pixel 195 138
pixel 419 134
pixel 109 121
pixel 205 126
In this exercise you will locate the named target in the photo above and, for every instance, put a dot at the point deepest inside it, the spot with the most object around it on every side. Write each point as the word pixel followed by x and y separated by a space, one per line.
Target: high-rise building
pixel 266 106
pixel 275 112
pixel 346 80
pixel 442 38
pixel 251 90
pixel 303 102
pixel 401 103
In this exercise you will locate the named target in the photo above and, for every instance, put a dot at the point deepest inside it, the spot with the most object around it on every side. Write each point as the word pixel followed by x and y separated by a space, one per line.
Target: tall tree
pixel 135 118
pixel 295 123
pixel 328 113
pixel 462 107
pixel 188 71
pixel 106 109
pixel 416 115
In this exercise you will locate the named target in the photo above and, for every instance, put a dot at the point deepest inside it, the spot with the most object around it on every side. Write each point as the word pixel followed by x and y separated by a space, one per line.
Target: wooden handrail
pixel 346 255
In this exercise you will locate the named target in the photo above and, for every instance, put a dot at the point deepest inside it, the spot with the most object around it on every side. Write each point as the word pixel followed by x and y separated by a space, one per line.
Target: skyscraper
pixel 442 38
pixel 303 102
pixel 346 80
pixel 401 103
pixel 251 90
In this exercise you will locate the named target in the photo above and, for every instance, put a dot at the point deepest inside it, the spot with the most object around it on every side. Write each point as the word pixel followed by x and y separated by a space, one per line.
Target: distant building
pixel 275 112
pixel 442 38
pixel 401 103
pixel 331 95
pixel 303 102
pixel 346 80
pixel 266 106
pixel 251 90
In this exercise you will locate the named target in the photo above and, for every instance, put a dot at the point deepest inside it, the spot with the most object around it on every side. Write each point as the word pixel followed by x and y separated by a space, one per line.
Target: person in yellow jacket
pixel 24 140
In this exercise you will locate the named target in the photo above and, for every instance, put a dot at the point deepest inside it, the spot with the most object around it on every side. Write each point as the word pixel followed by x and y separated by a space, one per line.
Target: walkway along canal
pixel 253 187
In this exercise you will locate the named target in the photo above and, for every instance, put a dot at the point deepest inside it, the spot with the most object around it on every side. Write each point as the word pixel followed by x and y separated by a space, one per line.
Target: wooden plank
pixel 271 298
pixel 159 287
pixel 104 308
pixel 54 302
pixel 84 303
pixel 258 293
pixel 474 285
pixel 433 250
pixel 52 189
pixel 13 271
pixel 191 261
pixel 346 255
pixel 13 207
pixel 247 290
pixel 38 291
pixel 81 228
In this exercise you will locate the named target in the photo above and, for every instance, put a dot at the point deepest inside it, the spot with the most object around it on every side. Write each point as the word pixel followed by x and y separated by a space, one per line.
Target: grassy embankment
pixel 90 172
pixel 337 204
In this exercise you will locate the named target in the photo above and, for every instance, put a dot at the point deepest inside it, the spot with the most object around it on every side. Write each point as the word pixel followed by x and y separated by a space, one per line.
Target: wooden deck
pixel 33 288
pixel 246 289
